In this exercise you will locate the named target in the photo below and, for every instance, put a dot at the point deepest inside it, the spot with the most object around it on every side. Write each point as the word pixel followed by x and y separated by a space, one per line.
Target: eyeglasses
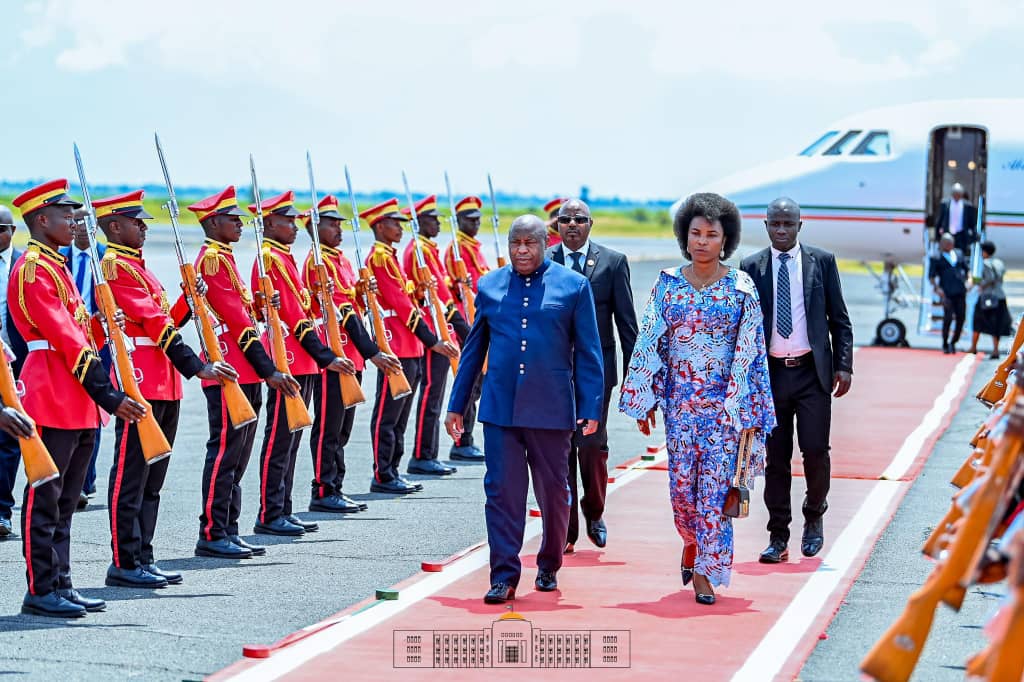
pixel 578 219
pixel 6 227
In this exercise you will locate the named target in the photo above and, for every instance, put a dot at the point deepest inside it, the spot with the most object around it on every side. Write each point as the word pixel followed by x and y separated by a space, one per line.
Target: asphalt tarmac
pixel 187 631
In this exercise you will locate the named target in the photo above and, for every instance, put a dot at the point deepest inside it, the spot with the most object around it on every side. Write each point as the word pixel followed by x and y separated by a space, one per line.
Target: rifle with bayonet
pixel 239 409
pixel 461 275
pixel 398 383
pixel 351 391
pixel 993 391
pixel 152 439
pixel 39 466
pixel 426 278
pixel 502 262
pixel 295 406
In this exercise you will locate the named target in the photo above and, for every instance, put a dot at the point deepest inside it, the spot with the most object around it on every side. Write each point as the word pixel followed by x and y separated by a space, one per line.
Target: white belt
pixel 39 345
pixel 384 314
pixel 138 341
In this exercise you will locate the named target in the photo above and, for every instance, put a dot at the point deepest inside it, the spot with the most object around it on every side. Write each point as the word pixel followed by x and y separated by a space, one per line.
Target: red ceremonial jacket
pixel 472 254
pixel 295 304
pixel 231 305
pixel 150 321
pixel 401 314
pixel 345 299
pixel 46 308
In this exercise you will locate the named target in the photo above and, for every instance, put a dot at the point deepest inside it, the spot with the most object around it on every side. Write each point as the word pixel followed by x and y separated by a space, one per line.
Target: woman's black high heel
pixel 687 574
pixel 703 599
pixel 687 571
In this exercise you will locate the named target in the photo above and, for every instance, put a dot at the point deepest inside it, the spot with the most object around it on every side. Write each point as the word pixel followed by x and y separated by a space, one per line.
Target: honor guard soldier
pixel 551 208
pixel 151 324
pixel 307 356
pixel 332 424
pixel 467 211
pixel 434 366
pixel 62 363
pixel 408 335
pixel 228 449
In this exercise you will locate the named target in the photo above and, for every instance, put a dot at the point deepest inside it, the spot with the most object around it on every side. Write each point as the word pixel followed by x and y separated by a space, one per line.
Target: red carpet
pixel 763 626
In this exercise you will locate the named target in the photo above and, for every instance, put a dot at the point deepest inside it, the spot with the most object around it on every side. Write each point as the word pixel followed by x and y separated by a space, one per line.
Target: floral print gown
pixel 700 357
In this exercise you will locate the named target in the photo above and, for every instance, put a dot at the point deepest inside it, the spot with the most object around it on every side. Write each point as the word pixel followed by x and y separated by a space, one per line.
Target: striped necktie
pixel 783 305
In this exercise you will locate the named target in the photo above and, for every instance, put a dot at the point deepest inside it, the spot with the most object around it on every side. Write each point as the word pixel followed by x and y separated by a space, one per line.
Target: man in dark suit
pixel 10 453
pixel 810 358
pixel 608 273
pixel 77 259
pixel 958 217
pixel 948 272
pixel 536 322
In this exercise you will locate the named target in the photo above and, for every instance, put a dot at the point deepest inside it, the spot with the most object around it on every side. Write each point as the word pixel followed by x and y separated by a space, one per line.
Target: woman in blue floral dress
pixel 701 359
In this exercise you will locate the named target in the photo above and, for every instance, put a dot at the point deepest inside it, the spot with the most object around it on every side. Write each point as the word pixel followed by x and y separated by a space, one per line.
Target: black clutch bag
pixel 737 498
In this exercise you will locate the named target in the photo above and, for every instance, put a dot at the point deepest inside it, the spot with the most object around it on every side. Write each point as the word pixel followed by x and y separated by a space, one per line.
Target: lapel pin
pixel 590 263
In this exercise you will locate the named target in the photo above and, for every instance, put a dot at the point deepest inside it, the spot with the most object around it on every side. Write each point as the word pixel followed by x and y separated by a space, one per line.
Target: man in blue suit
pixel 77 255
pixel 536 323
pixel 10 453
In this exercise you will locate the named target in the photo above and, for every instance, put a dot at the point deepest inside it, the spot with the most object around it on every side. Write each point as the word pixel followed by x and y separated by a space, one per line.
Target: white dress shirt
pixel 567 259
pixel 5 275
pixel 956 215
pixel 797 344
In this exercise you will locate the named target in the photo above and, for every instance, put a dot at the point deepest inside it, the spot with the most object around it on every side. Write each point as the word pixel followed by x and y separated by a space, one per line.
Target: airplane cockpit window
pixel 875 143
pixel 843 144
pixel 819 143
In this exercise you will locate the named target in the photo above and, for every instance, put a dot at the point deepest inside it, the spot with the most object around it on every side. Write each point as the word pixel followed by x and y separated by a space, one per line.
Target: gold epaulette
pixel 27 275
pixel 29 269
pixel 380 256
pixel 211 261
pixel 111 263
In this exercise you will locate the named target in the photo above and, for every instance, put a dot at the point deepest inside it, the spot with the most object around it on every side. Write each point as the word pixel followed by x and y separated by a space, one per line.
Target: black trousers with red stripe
pixel 47 510
pixel 332 427
pixel 277 457
pixel 227 456
pixel 434 369
pixel 388 422
pixel 133 492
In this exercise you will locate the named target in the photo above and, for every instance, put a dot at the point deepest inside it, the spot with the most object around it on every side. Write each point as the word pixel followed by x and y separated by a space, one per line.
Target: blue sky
pixel 639 99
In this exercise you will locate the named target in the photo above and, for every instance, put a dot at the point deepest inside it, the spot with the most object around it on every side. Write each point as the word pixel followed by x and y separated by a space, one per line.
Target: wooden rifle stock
pixel 152 439
pixel 1003 659
pixel 424 276
pixel 993 391
pixel 351 391
pixel 895 655
pixel 462 275
pixel 399 384
pixel 39 466
pixel 295 407
pixel 239 409
pixel 502 262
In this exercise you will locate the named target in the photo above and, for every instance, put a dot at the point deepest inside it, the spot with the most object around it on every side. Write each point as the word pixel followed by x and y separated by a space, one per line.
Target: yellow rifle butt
pixel 39 466
pixel 154 443
pixel 239 408
pixel 894 656
pixel 297 414
pixel 398 384
pixel 965 474
pixel 351 391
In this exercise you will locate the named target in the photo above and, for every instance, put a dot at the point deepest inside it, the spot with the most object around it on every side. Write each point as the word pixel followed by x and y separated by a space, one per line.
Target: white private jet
pixel 872 183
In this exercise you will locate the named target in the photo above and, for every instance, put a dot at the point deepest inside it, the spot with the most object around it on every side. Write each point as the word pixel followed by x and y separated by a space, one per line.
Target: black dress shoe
pixel 597 532
pixel 814 537
pixel 546 581
pixel 6 529
pixel 332 504
pixel 51 605
pixel 83 502
pixel 222 548
pixel 257 550
pixel 133 577
pixel 362 505
pixel 395 487
pixel 430 467
pixel 308 526
pixel 570 548
pixel 500 593
pixel 172 577
pixel 466 453
pixel 775 553
pixel 414 484
pixel 76 597
pixel 279 526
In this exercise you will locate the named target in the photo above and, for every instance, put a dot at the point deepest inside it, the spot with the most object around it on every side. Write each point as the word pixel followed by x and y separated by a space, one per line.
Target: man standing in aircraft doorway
pixel 810 359
pixel 958 217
